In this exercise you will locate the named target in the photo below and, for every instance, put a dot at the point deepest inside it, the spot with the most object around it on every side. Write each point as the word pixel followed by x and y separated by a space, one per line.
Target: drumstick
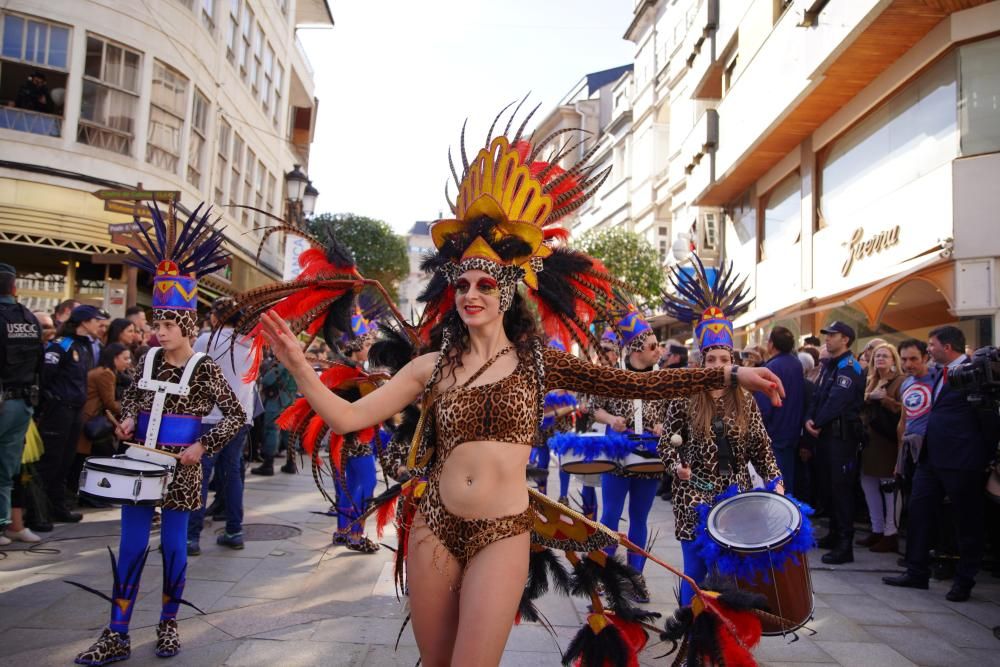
pixel 676 441
pixel 158 451
pixel 111 418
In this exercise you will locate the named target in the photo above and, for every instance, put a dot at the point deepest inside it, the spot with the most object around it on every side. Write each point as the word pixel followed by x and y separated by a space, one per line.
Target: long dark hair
pixel 519 324
pixel 109 353
pixel 116 328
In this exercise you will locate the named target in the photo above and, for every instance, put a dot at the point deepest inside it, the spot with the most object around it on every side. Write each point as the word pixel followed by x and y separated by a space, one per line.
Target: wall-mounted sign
pixel 861 247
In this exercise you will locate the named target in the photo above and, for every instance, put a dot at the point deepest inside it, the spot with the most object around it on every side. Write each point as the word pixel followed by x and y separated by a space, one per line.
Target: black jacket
pixel 960 436
pixel 64 374
pixel 840 393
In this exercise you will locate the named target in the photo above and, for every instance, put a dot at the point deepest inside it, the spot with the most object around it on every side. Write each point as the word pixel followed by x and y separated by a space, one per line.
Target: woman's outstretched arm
pixel 343 416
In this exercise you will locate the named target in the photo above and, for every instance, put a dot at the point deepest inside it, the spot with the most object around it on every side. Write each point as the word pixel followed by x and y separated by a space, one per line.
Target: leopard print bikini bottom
pixel 464 538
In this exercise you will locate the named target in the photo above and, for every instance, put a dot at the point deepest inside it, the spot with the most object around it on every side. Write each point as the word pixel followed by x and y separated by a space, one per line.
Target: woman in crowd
pixel 482 382
pixel 880 415
pixel 710 437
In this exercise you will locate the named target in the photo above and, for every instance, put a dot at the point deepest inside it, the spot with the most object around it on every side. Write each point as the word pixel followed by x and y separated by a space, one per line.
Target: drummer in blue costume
pixel 709 438
pixel 633 418
pixel 356 480
pixel 163 410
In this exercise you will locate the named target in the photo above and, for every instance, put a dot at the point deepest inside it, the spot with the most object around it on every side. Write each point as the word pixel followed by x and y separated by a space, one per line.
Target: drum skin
pixel 575 464
pixel 639 463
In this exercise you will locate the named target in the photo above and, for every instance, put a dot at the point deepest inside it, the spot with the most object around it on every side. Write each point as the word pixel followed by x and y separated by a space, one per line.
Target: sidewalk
pixel 298 601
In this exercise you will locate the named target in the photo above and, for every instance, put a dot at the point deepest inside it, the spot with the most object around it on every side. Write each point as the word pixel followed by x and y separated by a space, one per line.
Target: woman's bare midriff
pixel 485 480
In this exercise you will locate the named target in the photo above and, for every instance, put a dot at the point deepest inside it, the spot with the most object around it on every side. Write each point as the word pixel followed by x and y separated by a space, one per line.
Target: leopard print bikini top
pixel 500 411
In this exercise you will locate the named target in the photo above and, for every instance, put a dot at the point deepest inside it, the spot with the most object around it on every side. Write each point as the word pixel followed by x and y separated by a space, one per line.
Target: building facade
pixel 211 98
pixel 418 246
pixel 840 153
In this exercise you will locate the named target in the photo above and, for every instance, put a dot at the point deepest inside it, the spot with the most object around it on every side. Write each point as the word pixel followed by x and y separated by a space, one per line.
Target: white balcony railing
pixel 33 122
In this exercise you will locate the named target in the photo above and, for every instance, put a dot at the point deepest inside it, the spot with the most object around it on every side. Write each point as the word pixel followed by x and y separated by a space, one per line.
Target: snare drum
pixel 584 453
pixel 759 525
pixel 123 481
pixel 643 462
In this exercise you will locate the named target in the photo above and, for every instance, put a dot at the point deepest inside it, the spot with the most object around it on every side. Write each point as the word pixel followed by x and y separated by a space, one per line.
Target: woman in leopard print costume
pixel 709 438
pixel 482 385
pixel 176 262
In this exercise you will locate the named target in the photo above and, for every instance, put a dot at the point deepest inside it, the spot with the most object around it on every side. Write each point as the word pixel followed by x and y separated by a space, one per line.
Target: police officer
pixel 834 419
pixel 68 359
pixel 20 365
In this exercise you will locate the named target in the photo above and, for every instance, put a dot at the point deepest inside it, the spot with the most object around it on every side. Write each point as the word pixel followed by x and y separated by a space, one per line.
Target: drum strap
pixel 162 389
pixel 722 443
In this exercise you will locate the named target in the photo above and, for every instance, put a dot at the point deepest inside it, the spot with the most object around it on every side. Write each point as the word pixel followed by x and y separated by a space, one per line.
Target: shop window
pixel 110 96
pixel 33 63
pixel 914 308
pixel 196 142
pixel 743 214
pixel 166 117
pixel 782 217
pixel 979 97
pixel 910 135
pixel 222 162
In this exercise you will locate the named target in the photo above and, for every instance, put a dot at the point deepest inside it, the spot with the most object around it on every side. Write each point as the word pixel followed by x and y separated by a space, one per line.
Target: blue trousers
pixel 694 567
pixel 136 522
pixel 588 495
pixel 355 487
pixel 14 417
pixel 641 493
pixel 228 467
pixel 786 455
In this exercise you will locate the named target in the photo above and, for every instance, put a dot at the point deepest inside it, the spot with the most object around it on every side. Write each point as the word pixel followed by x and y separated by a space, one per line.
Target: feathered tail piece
pixel 124 590
pixel 720 627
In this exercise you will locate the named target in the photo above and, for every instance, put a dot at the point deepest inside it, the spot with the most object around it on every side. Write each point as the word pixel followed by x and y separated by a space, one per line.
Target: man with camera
pixel 960 439
pixel 20 366
pixel 834 419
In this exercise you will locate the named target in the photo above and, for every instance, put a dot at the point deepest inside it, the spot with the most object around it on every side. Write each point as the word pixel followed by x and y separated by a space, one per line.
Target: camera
pixel 980 377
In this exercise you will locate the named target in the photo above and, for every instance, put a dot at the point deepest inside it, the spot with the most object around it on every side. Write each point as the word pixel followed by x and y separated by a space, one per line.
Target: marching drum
pixel 644 457
pixel 124 481
pixel 760 525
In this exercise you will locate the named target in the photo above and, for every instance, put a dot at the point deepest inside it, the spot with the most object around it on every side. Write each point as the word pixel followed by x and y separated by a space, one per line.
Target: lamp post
pixel 296 183
pixel 309 200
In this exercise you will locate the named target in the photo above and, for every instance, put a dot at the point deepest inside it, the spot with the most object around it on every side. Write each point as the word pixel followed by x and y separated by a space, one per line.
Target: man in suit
pixel 784 424
pixel 958 444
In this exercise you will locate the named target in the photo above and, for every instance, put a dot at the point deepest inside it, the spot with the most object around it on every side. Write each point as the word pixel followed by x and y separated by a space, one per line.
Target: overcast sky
pixel 396 78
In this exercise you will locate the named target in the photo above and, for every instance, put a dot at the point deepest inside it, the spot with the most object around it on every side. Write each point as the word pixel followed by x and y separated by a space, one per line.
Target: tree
pixel 379 252
pixel 628 257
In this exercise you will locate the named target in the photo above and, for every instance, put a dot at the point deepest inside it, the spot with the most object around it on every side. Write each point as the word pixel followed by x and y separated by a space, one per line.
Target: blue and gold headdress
pixel 177 254
pixel 708 302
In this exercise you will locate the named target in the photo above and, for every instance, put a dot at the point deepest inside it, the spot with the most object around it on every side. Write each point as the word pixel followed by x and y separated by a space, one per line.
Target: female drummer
pixel 720 430
pixel 482 386
pixel 194 385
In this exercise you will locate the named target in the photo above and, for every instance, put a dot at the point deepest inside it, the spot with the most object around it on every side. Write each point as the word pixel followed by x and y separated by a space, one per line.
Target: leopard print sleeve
pixel 130 401
pixel 233 414
pixel 564 371
pixel 674 421
pixel 761 454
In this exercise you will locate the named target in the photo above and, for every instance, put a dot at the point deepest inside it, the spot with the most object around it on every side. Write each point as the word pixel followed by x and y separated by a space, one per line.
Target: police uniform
pixel 836 412
pixel 20 365
pixel 67 361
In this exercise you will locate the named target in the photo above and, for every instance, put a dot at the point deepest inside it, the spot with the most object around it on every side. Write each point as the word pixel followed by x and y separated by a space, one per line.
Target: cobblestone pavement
pixel 299 601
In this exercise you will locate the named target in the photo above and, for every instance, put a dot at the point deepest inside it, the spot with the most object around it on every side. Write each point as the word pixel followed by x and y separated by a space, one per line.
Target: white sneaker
pixel 4 541
pixel 23 535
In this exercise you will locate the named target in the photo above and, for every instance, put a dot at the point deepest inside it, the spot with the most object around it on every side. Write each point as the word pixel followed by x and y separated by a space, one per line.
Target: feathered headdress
pixel 710 303
pixel 509 200
pixel 177 254
pixel 633 329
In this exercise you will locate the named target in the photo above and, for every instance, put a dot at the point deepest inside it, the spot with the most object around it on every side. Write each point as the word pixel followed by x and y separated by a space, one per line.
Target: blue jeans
pixel 641 493
pixel 786 454
pixel 14 417
pixel 228 466
pixel 694 567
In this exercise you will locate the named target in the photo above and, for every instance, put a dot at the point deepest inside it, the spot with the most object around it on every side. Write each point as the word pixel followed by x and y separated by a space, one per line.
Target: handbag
pixel 98 427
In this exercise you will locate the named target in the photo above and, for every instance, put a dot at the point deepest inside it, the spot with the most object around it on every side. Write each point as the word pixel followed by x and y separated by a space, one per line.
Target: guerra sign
pixel 859 247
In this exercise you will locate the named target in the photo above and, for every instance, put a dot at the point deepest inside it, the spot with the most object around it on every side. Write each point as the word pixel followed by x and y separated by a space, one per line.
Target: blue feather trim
pixel 747 566
pixel 558 400
pixel 611 445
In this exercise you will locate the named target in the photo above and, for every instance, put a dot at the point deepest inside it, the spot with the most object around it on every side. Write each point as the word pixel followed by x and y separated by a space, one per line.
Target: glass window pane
pixel 92 102
pixel 783 216
pixel 13 36
pixel 58 46
pixel 130 77
pixel 112 64
pixel 34 42
pixel 92 67
pixel 980 97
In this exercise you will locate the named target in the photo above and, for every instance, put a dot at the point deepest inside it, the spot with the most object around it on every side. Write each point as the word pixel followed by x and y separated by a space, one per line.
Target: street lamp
pixel 309 200
pixel 682 247
pixel 295 184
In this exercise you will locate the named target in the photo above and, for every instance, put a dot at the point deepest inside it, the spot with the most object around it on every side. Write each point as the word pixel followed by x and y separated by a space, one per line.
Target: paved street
pixel 298 601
